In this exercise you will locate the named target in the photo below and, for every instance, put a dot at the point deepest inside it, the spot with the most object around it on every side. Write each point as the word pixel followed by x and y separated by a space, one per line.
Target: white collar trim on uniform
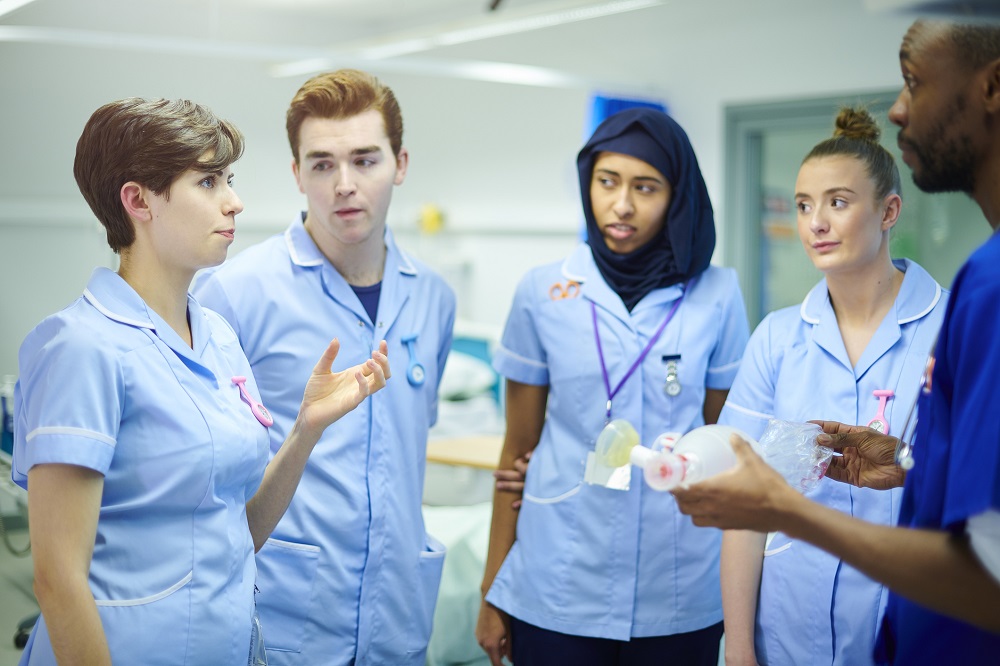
pixel 301 247
pixel 304 252
pixel 114 298
pixel 925 311
pixel 579 264
pixel 403 261
pixel 910 304
pixel 89 295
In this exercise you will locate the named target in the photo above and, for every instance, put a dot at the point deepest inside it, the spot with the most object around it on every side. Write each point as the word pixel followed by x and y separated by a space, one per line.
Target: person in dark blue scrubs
pixel 942 564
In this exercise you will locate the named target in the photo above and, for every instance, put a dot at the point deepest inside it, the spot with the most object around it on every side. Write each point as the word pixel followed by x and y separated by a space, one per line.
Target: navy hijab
pixel 684 248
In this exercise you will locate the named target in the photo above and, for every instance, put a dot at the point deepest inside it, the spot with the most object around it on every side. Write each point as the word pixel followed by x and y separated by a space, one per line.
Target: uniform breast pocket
pixel 286 575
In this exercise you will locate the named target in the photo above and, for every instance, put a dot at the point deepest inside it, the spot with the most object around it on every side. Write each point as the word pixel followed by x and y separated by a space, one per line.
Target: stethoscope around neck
pixel 908 435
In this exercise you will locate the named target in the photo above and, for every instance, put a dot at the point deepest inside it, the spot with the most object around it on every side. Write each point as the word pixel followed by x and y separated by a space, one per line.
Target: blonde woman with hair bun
pixel 852 352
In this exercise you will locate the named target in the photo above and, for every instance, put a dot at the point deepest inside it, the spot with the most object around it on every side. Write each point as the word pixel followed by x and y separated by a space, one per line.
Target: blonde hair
pixel 856 134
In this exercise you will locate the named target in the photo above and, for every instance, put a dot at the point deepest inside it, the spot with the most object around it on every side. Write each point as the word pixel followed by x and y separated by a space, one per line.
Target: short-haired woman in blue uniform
pixel 636 325
pixel 852 352
pixel 138 431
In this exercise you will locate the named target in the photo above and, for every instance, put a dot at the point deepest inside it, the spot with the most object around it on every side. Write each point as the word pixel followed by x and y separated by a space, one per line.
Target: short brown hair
pixel 150 142
pixel 343 94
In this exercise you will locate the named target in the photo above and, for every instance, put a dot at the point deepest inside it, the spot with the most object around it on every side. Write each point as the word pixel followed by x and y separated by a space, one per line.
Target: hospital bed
pixel 463 449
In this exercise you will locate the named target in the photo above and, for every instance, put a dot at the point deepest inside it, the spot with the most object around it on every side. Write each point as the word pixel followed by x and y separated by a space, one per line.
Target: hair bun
pixel 856 123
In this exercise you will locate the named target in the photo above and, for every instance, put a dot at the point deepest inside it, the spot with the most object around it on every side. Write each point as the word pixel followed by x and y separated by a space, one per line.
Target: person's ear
pixel 991 87
pixel 402 161
pixel 135 199
pixel 891 207
pixel 295 172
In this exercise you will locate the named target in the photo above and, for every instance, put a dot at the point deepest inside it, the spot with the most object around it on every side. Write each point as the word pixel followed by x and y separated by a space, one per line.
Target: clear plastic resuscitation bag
pixel 675 460
pixel 791 449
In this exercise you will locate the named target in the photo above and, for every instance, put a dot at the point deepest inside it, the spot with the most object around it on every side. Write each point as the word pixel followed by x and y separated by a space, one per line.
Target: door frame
pixel 745 126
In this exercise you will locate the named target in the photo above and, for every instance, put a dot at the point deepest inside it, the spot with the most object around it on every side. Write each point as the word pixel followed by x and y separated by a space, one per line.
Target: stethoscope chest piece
pixel 415 373
pixel 672 383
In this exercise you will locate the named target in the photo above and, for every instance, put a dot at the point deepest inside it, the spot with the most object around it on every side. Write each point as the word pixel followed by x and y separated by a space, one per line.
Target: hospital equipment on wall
pixel 19 496
pixel 7 383
pixel 678 460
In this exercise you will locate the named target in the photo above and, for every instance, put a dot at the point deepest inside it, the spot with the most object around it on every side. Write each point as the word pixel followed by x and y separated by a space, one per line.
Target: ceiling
pixel 569 43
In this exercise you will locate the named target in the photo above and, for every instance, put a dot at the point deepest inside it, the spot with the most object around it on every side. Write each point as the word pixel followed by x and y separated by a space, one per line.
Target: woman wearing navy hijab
pixel 636 325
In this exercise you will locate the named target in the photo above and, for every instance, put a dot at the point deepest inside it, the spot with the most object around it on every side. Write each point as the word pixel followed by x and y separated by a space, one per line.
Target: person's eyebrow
pixel 832 190
pixel 653 179
pixel 325 154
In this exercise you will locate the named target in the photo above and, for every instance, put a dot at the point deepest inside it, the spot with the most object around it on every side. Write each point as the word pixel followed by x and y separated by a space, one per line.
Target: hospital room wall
pixel 499 160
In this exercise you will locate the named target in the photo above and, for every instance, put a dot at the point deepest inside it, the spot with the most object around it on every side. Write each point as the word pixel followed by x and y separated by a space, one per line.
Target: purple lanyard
pixel 642 355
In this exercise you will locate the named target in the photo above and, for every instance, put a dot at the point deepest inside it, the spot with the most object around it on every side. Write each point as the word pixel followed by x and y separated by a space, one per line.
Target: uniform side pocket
pixel 286 575
pixel 430 567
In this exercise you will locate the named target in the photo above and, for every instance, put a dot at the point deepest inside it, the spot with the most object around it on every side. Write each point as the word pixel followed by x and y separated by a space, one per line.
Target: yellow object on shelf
pixel 431 219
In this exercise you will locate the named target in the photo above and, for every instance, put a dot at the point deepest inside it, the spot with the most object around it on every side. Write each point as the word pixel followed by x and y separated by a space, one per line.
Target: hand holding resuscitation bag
pixel 675 460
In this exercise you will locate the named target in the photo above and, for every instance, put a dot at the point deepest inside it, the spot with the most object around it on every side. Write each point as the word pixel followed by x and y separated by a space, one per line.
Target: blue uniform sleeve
pixel 209 291
pixel 70 399
pixel 447 335
pixel 521 356
pixel 733 334
pixel 751 399
pixel 974 359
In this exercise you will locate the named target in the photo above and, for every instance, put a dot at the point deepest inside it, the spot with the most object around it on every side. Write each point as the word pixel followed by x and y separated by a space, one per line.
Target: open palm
pixel 330 395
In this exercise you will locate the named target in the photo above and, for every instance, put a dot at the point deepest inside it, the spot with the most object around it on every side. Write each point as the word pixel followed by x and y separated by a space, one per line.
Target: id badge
pixel 599 474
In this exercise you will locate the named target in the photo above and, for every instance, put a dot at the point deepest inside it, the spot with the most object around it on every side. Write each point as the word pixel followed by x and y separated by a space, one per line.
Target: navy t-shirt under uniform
pixel 369 298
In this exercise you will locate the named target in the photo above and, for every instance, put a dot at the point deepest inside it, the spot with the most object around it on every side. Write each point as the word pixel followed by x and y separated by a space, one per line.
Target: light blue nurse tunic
pixel 106 384
pixel 813 608
pixel 589 560
pixel 349 575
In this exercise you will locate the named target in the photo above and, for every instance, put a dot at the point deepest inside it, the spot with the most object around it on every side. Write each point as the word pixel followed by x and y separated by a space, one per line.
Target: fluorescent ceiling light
pixel 7 6
pixel 529 23
pixel 476 70
pixel 416 41
pixel 303 61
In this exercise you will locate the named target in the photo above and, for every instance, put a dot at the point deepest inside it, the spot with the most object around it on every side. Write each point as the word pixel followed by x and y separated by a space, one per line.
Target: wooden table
pixel 478 451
